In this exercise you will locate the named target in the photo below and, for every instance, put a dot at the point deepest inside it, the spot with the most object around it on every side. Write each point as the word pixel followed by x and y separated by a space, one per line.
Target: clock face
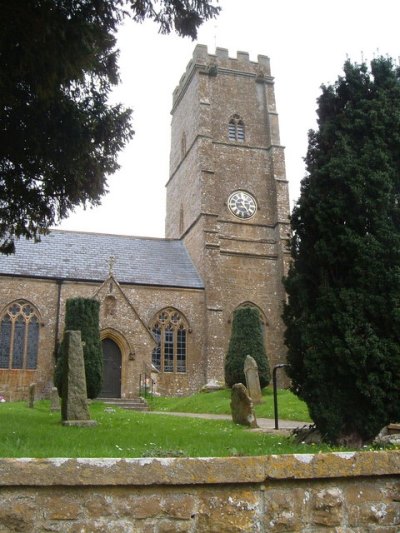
pixel 242 204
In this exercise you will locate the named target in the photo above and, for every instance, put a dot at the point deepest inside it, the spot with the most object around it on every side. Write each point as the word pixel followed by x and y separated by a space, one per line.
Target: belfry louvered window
pixel 169 330
pixel 19 336
pixel 236 129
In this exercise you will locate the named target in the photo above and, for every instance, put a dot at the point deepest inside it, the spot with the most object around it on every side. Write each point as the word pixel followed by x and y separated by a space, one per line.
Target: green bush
pixel 83 314
pixel 246 339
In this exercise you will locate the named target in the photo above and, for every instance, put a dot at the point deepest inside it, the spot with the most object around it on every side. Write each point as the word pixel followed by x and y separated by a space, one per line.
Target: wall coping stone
pixel 183 471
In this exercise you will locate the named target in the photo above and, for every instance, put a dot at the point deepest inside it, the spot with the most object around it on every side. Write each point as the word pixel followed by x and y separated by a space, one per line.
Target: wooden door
pixel 112 370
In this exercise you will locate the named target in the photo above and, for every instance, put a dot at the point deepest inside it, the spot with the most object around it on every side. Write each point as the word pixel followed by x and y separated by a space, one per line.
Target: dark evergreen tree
pixel 83 314
pixel 246 339
pixel 343 315
pixel 59 136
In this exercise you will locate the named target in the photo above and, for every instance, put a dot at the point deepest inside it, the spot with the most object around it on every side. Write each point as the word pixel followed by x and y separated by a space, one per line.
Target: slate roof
pixel 85 256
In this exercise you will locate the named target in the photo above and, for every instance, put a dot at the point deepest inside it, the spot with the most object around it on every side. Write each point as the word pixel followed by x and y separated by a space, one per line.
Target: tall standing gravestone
pixel 252 379
pixel 74 407
pixel 242 407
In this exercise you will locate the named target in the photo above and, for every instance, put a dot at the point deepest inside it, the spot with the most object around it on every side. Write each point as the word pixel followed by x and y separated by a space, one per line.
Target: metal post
pixel 274 381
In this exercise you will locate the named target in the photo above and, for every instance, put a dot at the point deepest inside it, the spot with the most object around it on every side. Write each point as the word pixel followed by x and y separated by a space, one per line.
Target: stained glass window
pixel 19 336
pixel 5 341
pixel 156 356
pixel 169 349
pixel 33 343
pixel 169 331
pixel 181 351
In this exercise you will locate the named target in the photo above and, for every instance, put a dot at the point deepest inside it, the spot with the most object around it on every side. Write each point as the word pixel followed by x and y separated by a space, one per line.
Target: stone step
pixel 136 404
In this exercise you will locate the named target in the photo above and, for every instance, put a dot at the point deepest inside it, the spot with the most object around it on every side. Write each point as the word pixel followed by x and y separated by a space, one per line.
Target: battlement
pixel 220 62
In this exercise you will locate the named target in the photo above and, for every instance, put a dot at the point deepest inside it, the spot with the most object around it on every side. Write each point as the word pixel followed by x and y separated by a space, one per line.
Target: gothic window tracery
pixel 169 330
pixel 19 336
pixel 236 129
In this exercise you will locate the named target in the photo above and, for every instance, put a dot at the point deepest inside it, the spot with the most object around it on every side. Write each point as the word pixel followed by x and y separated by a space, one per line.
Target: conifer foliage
pixel 343 312
pixel 246 339
pixel 83 314
pixel 59 134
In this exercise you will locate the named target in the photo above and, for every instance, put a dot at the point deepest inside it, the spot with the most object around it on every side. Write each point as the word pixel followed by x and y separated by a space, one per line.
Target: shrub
pixel 342 316
pixel 246 339
pixel 83 314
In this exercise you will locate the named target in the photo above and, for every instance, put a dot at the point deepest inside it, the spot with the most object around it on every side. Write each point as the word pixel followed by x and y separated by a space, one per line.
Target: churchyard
pixel 38 432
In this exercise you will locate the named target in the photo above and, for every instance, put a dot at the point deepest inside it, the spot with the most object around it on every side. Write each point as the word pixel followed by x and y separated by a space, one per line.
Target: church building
pixel 167 304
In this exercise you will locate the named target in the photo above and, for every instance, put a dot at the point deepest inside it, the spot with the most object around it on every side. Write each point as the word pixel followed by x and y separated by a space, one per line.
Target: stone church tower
pixel 227 195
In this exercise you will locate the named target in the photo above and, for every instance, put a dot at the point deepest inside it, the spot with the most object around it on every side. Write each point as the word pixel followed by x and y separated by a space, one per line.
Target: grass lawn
pixel 38 432
pixel 289 406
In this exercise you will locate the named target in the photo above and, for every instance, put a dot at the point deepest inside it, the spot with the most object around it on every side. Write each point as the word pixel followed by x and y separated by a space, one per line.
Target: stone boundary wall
pixel 335 492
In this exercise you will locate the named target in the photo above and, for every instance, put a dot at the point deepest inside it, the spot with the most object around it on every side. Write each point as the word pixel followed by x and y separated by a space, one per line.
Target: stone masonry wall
pixel 335 492
pixel 135 307
pixel 240 261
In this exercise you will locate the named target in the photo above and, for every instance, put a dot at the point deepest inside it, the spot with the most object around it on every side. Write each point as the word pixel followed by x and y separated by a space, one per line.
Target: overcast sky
pixel 307 41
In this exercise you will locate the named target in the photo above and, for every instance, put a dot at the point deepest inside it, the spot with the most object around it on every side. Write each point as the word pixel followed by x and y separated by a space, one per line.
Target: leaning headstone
pixel 242 407
pixel 54 400
pixel 74 406
pixel 32 388
pixel 252 379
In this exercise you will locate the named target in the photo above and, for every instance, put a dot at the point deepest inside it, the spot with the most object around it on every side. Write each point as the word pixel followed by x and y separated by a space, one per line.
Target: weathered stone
pixel 252 379
pixel 55 404
pixel 212 386
pixel 32 389
pixel 242 407
pixel 98 506
pixel 307 434
pixel 340 493
pixel 174 526
pixel 282 513
pixel 228 512
pixel 19 516
pixel 328 507
pixel 146 506
pixel 388 435
pixel 178 506
pixel 63 509
pixel 74 408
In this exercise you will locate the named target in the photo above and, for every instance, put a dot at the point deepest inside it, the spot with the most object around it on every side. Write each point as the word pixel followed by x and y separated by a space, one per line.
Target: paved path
pixel 265 424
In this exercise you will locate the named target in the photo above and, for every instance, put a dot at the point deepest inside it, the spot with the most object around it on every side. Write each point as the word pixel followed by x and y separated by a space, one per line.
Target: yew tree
pixel 82 314
pixel 246 339
pixel 343 311
pixel 59 135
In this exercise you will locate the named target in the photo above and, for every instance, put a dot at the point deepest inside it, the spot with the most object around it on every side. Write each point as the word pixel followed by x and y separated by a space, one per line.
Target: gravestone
pixel 54 400
pixel 252 379
pixel 242 407
pixel 74 405
pixel 32 389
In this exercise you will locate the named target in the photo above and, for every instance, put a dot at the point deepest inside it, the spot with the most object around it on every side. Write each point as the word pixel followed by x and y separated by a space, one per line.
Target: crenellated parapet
pixel 221 63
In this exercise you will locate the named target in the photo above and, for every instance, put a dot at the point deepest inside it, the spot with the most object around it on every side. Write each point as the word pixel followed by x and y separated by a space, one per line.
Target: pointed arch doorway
pixel 112 360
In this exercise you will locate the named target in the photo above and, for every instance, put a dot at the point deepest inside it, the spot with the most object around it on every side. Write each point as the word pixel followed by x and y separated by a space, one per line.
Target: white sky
pixel 307 41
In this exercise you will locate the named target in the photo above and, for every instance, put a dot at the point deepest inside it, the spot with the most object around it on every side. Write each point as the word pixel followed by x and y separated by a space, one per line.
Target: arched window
pixel 236 129
pixel 169 330
pixel 19 336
